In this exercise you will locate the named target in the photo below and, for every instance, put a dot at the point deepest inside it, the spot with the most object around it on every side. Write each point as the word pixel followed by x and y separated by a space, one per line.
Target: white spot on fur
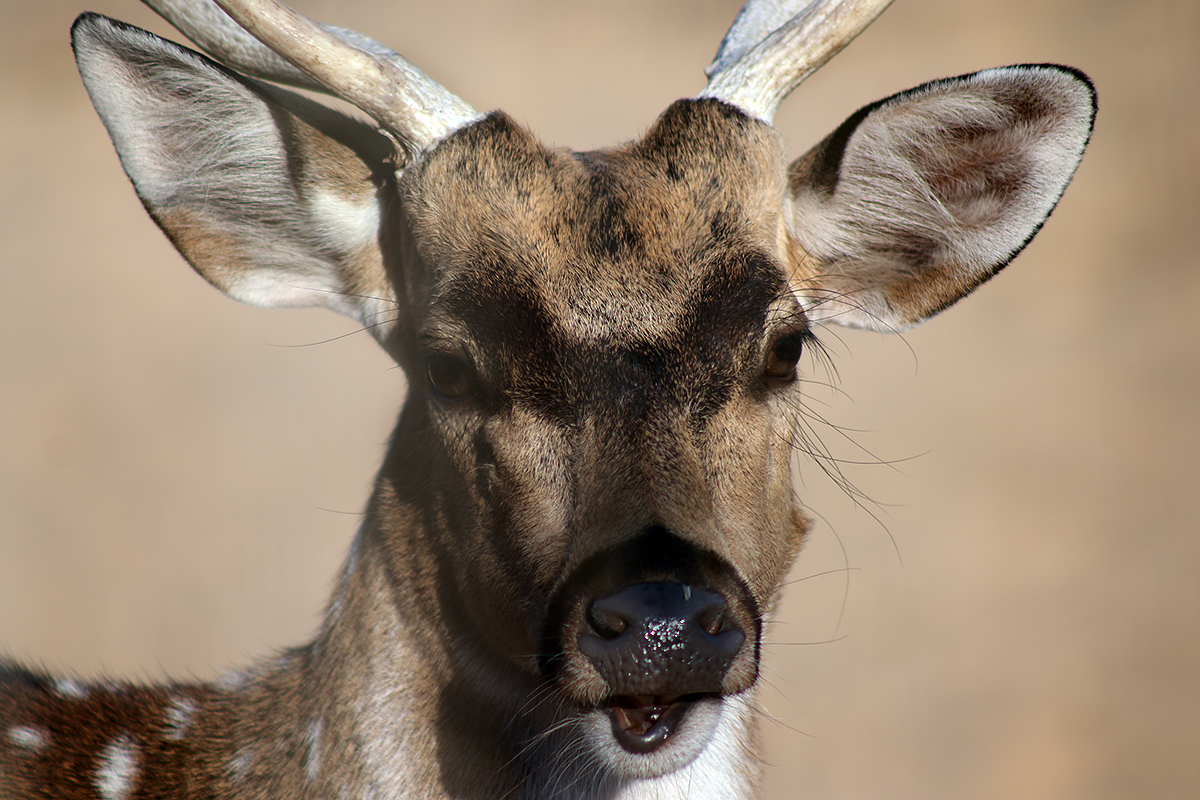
pixel 69 687
pixel 312 758
pixel 239 765
pixel 29 737
pixel 117 769
pixel 179 718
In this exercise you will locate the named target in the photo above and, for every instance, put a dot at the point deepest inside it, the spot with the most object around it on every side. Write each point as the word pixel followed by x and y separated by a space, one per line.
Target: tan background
pixel 179 475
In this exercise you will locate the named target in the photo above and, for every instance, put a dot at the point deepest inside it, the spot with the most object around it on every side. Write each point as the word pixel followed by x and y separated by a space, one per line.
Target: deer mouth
pixel 644 723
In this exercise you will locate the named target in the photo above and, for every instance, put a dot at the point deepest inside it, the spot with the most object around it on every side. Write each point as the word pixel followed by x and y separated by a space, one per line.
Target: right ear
pixel 274 199
pixel 916 200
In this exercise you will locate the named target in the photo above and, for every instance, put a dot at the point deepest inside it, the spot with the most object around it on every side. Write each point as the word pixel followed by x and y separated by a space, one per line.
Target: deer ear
pixel 271 197
pixel 917 199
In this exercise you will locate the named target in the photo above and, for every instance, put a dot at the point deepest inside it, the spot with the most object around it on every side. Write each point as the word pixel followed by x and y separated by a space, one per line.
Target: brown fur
pixel 600 349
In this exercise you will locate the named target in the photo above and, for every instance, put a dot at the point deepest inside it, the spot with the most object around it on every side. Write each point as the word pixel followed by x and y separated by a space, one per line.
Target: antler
pixel 269 40
pixel 771 48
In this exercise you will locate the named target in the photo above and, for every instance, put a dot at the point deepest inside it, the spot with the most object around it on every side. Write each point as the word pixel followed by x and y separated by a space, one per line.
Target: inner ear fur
pixel 917 199
pixel 273 198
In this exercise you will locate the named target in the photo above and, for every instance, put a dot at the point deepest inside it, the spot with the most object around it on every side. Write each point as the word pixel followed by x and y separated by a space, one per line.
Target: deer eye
pixel 783 357
pixel 450 377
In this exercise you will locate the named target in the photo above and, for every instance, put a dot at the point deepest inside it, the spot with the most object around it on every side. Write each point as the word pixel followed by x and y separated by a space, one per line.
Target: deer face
pixel 606 345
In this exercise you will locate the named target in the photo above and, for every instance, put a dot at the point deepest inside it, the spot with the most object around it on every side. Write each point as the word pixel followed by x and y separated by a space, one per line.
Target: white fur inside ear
pixel 936 190
pixel 277 289
pixel 347 222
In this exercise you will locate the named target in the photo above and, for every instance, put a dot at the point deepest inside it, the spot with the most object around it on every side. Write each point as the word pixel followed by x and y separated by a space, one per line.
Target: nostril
pixel 607 623
pixel 712 619
pixel 655 609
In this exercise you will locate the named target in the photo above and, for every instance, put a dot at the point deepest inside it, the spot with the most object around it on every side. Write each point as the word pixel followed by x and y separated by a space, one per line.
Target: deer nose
pixel 661 639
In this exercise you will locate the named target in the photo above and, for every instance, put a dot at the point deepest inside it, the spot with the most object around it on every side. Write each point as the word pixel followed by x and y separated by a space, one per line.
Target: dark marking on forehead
pixel 507 318
pixel 722 330
pixel 645 201
pixel 605 223
pixel 529 360
pixel 616 279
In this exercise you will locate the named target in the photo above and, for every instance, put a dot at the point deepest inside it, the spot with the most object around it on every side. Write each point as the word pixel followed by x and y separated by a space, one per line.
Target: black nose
pixel 661 639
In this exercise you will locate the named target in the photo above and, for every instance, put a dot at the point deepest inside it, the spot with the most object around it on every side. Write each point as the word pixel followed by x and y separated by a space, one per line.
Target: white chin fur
pixel 690 739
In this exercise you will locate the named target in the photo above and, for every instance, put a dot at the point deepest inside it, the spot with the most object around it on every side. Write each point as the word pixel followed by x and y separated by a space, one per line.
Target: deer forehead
pixel 612 245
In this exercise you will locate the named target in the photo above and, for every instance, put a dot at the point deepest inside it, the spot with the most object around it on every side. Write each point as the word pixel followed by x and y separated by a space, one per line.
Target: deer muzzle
pixel 648 632
pixel 658 646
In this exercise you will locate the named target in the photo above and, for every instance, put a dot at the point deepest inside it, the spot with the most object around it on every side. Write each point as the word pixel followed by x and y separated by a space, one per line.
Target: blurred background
pixel 1014 610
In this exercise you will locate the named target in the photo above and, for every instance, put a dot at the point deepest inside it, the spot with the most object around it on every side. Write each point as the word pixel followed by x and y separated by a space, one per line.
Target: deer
pixel 586 511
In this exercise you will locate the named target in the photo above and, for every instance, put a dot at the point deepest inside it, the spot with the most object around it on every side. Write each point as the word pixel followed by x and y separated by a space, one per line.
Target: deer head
pixel 586 511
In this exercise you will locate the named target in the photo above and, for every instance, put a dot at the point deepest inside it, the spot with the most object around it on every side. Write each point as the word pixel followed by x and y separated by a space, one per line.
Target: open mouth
pixel 644 723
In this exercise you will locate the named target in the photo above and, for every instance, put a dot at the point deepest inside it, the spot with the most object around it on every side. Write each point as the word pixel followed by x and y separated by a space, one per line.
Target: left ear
pixel 919 198
pixel 274 199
